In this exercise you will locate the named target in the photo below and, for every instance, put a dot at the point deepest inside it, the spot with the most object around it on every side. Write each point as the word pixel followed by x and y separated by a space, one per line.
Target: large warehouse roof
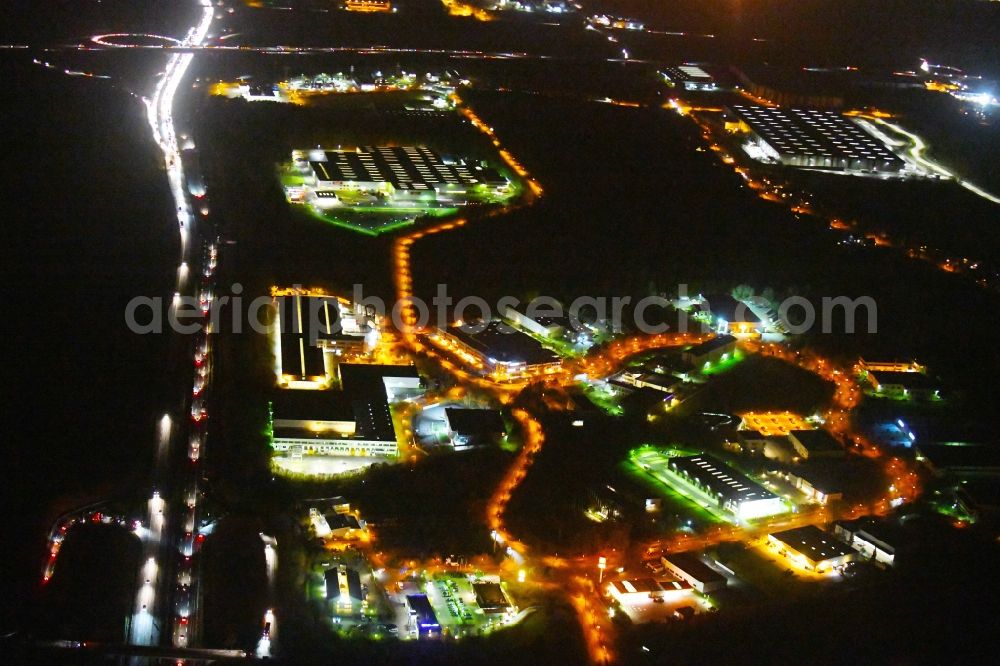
pixel 812 542
pixel 721 479
pixel 812 132
pixel 475 421
pixel 503 343
pixel 687 73
pixel 490 597
pixel 423 609
pixel 300 358
pixel 316 317
pixel 367 380
pixel 694 568
pixel 372 418
pixel 289 404
pixel 711 345
pixel 406 168
pixel 818 441
pixel 374 421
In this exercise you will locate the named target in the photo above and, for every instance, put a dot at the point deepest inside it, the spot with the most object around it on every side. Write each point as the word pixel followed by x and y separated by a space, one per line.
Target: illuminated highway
pixel 120 40
pixel 915 152
pixel 163 601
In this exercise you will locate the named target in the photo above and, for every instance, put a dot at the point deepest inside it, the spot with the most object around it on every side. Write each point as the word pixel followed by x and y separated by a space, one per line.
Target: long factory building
pixel 402 173
pixel 352 421
pixel 733 491
pixel 310 328
pixel 810 138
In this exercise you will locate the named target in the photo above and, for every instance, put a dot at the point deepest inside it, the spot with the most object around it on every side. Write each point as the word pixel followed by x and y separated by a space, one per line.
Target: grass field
pixel 648 466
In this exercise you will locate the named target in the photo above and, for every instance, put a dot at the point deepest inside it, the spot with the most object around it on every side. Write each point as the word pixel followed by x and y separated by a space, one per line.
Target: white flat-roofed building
pixel 697 574
pixel 644 590
pixel 872 537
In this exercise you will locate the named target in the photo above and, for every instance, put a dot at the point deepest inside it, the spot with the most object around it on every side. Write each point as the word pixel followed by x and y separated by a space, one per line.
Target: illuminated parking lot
pixel 323 465
pixel 770 424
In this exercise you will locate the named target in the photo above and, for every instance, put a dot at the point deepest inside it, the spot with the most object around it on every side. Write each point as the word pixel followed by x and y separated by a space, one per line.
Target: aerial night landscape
pixel 501 331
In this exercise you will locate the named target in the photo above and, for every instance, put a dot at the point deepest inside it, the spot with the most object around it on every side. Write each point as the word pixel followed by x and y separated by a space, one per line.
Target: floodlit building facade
pixel 733 491
pixel 328 423
pixel 730 317
pixel 353 420
pixel 816 487
pixel 871 537
pixel 811 548
pixel 643 590
pixel 687 567
pixel 903 384
pixel 368 6
pixel 890 366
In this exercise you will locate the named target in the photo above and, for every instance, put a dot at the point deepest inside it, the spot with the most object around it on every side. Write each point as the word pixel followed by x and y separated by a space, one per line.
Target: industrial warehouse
pixel 690 569
pixel 709 482
pixel 733 491
pixel 811 548
pixel 354 421
pixel 309 328
pixel 332 423
pixel 396 175
pixel 691 77
pixel 325 404
pixel 810 138
pixel 504 351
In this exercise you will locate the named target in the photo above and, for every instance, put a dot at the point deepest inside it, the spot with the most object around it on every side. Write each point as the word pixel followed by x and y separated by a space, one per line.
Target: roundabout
pixel 129 40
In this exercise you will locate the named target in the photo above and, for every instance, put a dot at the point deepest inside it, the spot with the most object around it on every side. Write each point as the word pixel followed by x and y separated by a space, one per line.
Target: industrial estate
pixel 374 476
